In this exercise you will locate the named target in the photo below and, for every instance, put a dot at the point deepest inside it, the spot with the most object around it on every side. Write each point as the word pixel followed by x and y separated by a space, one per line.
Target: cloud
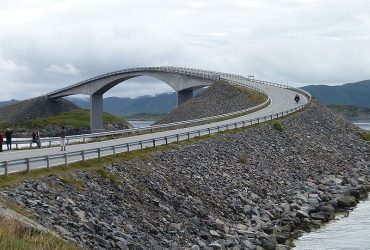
pixel 7 65
pixel 67 69
pixel 47 45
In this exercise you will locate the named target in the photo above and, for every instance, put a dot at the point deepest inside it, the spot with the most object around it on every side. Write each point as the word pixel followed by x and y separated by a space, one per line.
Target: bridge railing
pixel 222 76
pixel 85 137
pixel 65 158
pixel 47 161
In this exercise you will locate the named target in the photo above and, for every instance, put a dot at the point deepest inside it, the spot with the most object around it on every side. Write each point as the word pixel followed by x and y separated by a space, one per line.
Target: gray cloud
pixel 46 45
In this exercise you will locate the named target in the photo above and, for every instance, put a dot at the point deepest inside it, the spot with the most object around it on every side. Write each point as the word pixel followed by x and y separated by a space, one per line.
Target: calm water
pixel 141 124
pixel 352 232
pixel 363 125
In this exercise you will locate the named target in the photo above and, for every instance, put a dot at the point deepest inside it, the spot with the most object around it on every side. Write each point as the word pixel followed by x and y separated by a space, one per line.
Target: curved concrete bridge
pixel 182 80
pixel 281 103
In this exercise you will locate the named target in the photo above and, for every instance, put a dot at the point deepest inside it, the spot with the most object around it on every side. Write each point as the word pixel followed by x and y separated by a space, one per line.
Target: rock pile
pixel 255 189
pixel 220 98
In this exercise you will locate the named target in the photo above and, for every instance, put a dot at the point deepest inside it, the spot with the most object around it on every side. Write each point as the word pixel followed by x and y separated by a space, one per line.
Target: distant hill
pixel 7 103
pixel 352 113
pixel 158 104
pixel 357 94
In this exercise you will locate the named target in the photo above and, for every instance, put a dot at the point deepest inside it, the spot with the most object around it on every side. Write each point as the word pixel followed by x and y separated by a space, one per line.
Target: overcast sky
pixel 46 45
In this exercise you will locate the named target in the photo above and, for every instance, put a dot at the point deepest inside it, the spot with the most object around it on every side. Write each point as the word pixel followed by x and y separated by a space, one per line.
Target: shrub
pixel 278 125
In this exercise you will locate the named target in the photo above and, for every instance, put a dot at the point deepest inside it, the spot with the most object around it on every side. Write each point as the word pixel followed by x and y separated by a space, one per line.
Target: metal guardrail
pixel 82 155
pixel 85 137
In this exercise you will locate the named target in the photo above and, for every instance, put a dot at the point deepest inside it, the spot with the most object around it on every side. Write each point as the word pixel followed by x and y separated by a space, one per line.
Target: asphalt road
pixel 281 100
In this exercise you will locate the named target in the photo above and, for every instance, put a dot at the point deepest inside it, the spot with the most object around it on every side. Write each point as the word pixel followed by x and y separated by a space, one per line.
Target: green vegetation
pixel 70 180
pixel 15 236
pixel 77 118
pixel 243 159
pixel 106 175
pixel 278 125
pixel 253 96
pixel 365 136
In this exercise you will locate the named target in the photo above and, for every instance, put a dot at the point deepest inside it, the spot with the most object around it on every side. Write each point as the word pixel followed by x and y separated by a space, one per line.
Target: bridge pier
pixel 184 95
pixel 96 113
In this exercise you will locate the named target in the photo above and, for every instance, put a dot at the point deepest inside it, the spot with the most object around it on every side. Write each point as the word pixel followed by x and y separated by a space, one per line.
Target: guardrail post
pixel 49 144
pixel 209 131
pixel 141 145
pixel 28 165
pixel 166 139
pixel 199 133
pixel 5 168
pixel 218 129
pixel 83 156
pixel 271 117
pixel 114 150
pixel 258 120
pixel 243 124
pixel 188 135
pixel 98 153
pixel 47 163
pixel 67 142
pixel 154 142
pixel 84 139
pixel 236 125
pixel 127 147
pixel 65 160
pixel 177 137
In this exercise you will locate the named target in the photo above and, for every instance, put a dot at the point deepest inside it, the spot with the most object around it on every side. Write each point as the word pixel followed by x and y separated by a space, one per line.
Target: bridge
pixel 280 103
pixel 182 80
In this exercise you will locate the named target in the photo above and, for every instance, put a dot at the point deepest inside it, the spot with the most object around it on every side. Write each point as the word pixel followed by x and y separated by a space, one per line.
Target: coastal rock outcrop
pixel 253 189
pixel 38 107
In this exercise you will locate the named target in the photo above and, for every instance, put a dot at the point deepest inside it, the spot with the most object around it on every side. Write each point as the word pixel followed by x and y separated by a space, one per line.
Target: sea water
pixel 344 233
pixel 352 232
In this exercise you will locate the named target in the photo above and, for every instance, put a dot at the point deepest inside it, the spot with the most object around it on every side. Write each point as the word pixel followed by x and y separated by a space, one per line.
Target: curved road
pixel 281 100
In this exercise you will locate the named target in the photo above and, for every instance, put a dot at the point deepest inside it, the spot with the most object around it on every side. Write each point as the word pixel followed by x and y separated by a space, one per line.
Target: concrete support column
pixel 96 113
pixel 184 95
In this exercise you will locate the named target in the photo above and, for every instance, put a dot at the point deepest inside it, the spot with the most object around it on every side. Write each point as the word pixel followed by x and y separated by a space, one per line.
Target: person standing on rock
pixel 1 141
pixel 8 135
pixel 62 139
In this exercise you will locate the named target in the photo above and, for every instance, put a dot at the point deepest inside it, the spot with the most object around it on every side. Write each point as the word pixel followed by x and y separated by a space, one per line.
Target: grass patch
pixel 243 159
pixel 15 236
pixel 79 118
pixel 278 125
pixel 70 180
pixel 365 136
pixel 108 176
pixel 252 95
pixel 8 203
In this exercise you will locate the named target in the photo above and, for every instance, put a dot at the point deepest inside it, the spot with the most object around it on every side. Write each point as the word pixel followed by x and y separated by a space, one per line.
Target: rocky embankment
pixel 220 98
pixel 255 189
pixel 39 107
